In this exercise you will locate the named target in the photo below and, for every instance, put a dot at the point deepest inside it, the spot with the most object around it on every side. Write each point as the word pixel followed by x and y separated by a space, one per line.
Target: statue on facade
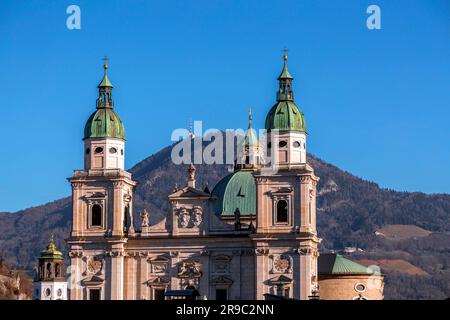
pixel 145 218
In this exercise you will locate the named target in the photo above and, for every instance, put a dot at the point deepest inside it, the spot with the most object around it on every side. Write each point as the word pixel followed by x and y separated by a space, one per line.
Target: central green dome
pixel 104 123
pixel 236 190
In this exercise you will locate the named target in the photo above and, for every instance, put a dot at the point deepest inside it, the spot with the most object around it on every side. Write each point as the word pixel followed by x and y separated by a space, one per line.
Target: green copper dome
pixel 237 190
pixel 51 252
pixel 104 122
pixel 335 264
pixel 285 115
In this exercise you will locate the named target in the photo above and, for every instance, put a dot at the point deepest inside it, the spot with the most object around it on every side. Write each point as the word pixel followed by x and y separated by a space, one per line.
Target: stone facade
pixel 192 247
pixel 270 251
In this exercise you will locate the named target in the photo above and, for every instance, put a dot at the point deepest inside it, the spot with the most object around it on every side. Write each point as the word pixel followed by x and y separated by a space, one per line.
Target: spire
pixel 190 134
pixel 105 89
pixel 285 92
pixel 250 137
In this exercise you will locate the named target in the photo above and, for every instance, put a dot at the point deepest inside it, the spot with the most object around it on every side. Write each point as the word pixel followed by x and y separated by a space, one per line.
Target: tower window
pixel 96 215
pixel 112 150
pixel 282 144
pixel 282 211
pixel 98 150
pixel 88 150
pixel 297 144
pixel 121 152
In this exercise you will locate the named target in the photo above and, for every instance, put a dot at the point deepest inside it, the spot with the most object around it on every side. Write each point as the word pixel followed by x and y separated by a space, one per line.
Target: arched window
pixel 96 215
pixel 282 211
pixel 57 270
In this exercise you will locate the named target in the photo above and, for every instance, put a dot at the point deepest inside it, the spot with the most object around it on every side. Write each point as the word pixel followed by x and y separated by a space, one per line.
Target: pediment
pixel 92 280
pixel 221 280
pixel 189 192
pixel 161 259
pixel 282 190
pixel 281 280
pixel 157 280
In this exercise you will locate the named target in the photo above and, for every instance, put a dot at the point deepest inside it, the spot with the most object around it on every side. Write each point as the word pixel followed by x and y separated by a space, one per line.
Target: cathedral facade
pixel 253 235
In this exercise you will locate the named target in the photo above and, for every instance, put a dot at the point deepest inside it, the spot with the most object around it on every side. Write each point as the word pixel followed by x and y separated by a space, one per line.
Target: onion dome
pixel 235 191
pixel 285 115
pixel 51 252
pixel 104 122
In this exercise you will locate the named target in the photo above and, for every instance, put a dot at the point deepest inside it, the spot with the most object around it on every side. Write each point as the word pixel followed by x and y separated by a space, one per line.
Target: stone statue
pixel 237 219
pixel 145 218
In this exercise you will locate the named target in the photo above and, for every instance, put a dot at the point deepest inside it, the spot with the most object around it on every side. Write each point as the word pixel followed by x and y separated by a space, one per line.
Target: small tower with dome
pixel 285 125
pixel 104 133
pixel 49 282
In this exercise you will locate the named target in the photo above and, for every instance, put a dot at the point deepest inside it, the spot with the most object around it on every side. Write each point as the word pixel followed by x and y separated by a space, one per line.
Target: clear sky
pixel 376 102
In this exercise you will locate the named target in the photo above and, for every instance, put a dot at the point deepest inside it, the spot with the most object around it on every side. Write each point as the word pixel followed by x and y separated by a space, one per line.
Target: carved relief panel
pixel 189 217
pixel 159 265
pixel 221 264
pixel 94 265
pixel 281 263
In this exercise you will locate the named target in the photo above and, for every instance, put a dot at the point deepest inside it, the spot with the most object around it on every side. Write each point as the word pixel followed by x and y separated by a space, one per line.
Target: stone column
pixel 77 225
pixel 130 278
pixel 304 203
pixel 117 274
pixel 74 279
pixel 118 209
pixel 260 274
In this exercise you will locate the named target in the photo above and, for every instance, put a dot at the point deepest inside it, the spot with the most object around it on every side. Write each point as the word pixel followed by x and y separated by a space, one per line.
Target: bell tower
pixel 285 125
pixel 286 202
pixel 102 195
pixel 49 282
pixel 104 133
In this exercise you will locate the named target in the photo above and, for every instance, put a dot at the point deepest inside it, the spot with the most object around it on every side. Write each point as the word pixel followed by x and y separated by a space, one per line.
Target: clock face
pixel 282 264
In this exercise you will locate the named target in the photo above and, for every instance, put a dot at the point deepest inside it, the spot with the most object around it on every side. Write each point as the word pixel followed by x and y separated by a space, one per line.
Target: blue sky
pixel 376 101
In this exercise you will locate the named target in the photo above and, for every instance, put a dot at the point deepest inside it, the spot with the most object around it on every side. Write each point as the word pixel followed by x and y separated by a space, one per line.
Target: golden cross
pixel 105 63
pixel 285 53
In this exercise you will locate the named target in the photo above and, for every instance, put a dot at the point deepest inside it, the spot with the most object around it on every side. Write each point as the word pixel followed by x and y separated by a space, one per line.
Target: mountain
pixel 350 213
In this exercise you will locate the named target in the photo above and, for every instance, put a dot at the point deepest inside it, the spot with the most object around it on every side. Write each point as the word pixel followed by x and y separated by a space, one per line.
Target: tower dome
pixel 236 190
pixel 104 122
pixel 285 115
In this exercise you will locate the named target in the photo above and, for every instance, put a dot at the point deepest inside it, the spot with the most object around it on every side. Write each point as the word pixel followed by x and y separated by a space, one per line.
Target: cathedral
pixel 252 237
